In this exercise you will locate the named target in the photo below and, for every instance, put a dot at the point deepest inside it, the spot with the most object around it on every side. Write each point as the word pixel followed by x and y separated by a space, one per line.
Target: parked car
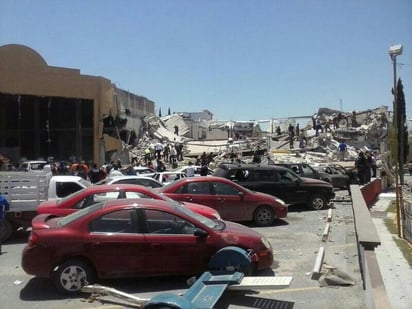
pixel 132 238
pixel 167 177
pixel 197 168
pixel 92 195
pixel 132 180
pixel 32 165
pixel 280 182
pixel 232 201
pixel 331 175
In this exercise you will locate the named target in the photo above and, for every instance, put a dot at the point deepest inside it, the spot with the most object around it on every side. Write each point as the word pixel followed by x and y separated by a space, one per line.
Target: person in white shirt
pixel 190 171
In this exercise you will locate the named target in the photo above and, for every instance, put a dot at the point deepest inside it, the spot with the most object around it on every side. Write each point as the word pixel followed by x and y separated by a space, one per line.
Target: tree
pixel 160 112
pixel 168 112
pixel 402 121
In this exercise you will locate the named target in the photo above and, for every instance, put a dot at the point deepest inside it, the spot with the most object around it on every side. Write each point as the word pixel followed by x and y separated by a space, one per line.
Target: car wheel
pixel 263 216
pixel 72 275
pixel 6 230
pixel 317 202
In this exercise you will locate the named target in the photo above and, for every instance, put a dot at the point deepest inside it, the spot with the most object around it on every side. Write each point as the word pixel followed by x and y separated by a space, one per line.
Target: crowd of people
pixel 365 165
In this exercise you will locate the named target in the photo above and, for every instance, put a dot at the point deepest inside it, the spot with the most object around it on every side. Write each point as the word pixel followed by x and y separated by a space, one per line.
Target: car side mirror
pixel 200 232
pixel 241 194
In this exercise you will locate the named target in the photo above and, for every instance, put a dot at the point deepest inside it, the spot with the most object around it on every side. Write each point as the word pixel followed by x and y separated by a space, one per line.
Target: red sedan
pixel 91 195
pixel 131 238
pixel 232 201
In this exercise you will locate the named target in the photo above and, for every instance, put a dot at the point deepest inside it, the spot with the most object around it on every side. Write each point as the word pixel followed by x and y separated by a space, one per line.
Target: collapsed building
pixel 58 112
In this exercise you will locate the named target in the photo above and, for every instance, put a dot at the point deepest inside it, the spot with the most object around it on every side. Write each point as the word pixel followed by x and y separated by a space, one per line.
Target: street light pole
pixel 395 51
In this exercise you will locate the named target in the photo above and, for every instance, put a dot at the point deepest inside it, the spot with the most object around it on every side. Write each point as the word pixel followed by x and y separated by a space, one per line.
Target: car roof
pixel 114 187
pixel 202 179
pixel 114 177
pixel 139 202
pixel 228 166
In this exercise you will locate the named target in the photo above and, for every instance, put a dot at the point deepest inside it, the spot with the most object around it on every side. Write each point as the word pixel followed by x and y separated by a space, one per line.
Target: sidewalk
pixel 395 270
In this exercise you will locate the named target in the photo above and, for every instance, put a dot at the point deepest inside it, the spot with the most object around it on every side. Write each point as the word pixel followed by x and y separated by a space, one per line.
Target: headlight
pixel 266 243
pixel 282 202
pixel 217 216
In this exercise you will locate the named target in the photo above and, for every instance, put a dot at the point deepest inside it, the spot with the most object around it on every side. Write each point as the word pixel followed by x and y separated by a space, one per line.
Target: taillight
pixel 33 239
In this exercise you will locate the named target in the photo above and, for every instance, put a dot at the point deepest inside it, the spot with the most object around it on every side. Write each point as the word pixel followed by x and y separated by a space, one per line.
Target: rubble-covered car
pixel 132 238
pixel 329 174
pixel 232 201
pixel 280 182
pixel 92 195
pixel 337 171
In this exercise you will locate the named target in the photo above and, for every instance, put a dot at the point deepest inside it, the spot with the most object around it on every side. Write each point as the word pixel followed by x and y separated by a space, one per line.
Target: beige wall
pixel 23 71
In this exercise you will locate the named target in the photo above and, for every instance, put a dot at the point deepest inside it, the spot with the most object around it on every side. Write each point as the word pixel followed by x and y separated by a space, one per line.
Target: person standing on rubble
pixel 368 169
pixel 158 150
pixel 179 151
pixel 373 163
pixel 342 150
pixel 361 165
pixel 291 131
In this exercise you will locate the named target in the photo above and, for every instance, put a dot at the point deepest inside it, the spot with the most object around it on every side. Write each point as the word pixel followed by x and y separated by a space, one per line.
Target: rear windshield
pixel 79 214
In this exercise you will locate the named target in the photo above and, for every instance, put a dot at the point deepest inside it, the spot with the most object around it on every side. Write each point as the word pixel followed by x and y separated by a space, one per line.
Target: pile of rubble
pixel 359 130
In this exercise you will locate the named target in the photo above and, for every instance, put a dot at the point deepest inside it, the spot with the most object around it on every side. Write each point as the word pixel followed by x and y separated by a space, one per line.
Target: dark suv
pixel 280 182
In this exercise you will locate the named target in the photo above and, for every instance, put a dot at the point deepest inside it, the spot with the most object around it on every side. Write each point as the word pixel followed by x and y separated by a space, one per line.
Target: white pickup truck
pixel 26 190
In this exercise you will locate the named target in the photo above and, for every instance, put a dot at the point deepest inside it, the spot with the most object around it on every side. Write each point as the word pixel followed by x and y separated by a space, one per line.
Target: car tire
pixel 263 216
pixel 317 202
pixel 72 275
pixel 6 230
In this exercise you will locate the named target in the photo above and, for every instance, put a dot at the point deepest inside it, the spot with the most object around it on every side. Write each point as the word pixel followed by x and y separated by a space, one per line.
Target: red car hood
pixel 203 210
pixel 236 233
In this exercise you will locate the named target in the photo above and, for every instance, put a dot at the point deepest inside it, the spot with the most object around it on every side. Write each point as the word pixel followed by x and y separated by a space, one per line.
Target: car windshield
pixel 213 224
pixel 79 214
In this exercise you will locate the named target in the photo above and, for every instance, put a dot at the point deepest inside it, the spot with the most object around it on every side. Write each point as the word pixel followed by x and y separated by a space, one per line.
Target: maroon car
pixel 132 238
pixel 232 201
pixel 92 195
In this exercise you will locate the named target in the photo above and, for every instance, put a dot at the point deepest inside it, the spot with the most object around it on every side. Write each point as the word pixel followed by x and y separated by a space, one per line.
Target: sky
pixel 239 59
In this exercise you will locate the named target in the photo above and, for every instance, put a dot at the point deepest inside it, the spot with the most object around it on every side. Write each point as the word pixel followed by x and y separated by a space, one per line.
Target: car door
pixel 290 189
pixel 230 202
pixel 172 246
pixel 114 244
pixel 194 192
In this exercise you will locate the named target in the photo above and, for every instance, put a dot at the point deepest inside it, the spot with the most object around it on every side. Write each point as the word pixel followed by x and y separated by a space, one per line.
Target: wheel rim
pixel 317 203
pixel 264 216
pixel 73 278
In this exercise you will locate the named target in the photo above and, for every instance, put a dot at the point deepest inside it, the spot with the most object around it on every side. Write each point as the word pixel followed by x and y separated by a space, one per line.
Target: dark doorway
pixel 42 127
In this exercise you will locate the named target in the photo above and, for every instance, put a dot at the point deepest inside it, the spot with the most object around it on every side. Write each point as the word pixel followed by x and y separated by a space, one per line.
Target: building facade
pixel 48 111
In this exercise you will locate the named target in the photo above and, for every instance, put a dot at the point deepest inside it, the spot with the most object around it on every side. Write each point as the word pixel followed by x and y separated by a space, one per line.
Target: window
pixel 240 175
pixel 265 175
pixel 160 222
pixel 121 221
pixel 64 189
pixel 286 176
pixel 198 188
pixel 224 189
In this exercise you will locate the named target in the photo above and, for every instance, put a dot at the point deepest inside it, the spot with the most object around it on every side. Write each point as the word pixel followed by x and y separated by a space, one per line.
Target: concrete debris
pixel 335 277
pixel 316 142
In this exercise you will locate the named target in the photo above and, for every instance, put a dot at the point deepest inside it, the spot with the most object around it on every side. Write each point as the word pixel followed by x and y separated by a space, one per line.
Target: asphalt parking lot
pixel 296 242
